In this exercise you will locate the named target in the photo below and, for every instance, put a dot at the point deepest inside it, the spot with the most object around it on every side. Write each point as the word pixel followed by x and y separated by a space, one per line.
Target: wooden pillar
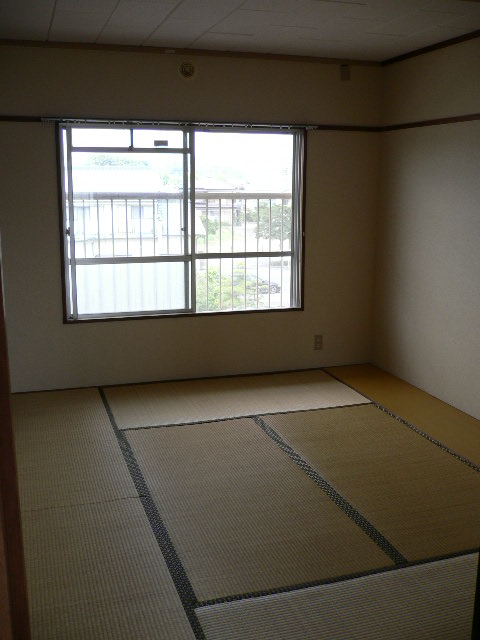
pixel 14 621
pixel 476 609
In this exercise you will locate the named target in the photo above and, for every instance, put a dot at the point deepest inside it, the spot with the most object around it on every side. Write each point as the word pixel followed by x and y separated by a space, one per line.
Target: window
pixel 180 219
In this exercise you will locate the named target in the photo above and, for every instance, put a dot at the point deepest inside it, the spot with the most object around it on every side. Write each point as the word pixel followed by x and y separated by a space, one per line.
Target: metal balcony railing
pixel 240 257
pixel 119 225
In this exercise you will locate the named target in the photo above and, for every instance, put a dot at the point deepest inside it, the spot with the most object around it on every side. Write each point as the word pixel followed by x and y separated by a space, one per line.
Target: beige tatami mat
pixel 242 516
pixel 67 451
pixel 426 602
pixel 456 429
pixel 423 500
pixel 95 572
pixel 217 398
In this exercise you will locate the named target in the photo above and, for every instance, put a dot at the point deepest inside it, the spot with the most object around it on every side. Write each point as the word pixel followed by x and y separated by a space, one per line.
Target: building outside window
pixel 180 220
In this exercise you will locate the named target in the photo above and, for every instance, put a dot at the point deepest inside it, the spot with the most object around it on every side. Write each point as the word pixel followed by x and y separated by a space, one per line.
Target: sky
pixel 252 162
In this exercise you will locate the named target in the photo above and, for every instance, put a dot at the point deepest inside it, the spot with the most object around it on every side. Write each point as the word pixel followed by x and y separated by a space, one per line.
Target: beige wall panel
pixel 89 83
pixel 340 214
pixel 439 84
pixel 342 194
pixel 45 353
pixel 428 269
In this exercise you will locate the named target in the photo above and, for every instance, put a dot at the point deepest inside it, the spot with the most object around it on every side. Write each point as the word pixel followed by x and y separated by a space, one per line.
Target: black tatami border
pixel 335 579
pixel 252 416
pixel 349 510
pixel 174 564
pixel 417 430
pixel 177 571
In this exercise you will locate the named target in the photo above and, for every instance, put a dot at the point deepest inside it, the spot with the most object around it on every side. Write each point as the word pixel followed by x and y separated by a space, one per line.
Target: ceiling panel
pixel 88 6
pixel 127 35
pixel 318 9
pixel 178 33
pixel 225 42
pixel 413 22
pixel 355 29
pixel 212 10
pixel 287 6
pixel 459 24
pixel 452 6
pixel 247 22
pixel 26 18
pixel 140 14
pixel 85 25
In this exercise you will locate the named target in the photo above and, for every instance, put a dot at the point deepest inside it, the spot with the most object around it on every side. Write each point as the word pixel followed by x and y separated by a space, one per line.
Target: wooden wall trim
pixel 469 117
pixel 212 53
pixel 87 46
pixel 431 123
pixel 12 532
pixel 433 47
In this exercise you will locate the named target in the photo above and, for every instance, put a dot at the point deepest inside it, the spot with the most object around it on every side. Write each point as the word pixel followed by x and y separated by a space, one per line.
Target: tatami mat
pixel 426 602
pixel 456 429
pixel 95 572
pixel 67 451
pixel 242 516
pixel 216 398
pixel 425 501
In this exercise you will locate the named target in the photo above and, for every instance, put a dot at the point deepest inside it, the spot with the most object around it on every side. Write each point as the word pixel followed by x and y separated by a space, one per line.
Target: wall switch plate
pixel 318 342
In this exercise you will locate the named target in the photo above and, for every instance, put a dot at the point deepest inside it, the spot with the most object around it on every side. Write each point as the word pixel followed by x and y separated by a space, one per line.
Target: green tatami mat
pixel 431 601
pixel 242 516
pixel 422 499
pixel 449 425
pixel 216 398
pixel 95 572
pixel 67 452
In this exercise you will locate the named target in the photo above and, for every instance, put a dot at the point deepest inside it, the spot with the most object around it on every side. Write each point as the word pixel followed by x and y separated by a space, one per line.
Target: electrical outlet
pixel 318 342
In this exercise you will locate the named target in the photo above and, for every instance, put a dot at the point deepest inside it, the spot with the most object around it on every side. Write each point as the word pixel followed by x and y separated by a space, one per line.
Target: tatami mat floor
pixel 320 504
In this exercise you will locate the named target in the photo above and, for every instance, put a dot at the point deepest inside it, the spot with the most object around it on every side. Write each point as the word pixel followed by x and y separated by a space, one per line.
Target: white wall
pixel 427 311
pixel 440 84
pixel 340 215
pixel 91 83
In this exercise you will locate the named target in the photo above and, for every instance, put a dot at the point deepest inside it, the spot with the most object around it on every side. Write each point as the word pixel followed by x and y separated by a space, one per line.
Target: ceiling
pixel 373 30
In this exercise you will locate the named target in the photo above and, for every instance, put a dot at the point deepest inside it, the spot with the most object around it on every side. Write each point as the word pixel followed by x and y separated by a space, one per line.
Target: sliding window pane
pixel 130 288
pixel 226 219
pixel 88 137
pixel 128 204
pixel 235 284
pixel 157 139
pixel 239 228
pixel 243 162
pixel 128 201
pixel 207 216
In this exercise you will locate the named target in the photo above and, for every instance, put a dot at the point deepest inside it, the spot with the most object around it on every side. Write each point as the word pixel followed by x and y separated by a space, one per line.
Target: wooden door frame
pixel 9 497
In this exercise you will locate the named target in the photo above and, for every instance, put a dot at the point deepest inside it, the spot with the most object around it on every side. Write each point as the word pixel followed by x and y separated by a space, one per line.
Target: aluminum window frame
pixel 190 256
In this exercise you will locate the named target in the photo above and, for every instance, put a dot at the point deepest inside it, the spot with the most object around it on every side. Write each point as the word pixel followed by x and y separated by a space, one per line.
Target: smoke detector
pixel 187 69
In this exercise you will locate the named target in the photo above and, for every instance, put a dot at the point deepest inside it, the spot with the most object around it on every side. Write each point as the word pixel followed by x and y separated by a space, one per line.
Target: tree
pixel 242 295
pixel 270 224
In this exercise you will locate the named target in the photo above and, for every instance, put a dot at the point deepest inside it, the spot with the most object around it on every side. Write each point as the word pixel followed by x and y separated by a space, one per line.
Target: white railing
pixel 241 257
pixel 152 224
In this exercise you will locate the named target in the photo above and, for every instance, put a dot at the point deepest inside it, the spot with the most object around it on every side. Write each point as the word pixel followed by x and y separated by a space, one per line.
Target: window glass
pixel 130 288
pixel 128 204
pixel 144 234
pixel 157 138
pixel 104 137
